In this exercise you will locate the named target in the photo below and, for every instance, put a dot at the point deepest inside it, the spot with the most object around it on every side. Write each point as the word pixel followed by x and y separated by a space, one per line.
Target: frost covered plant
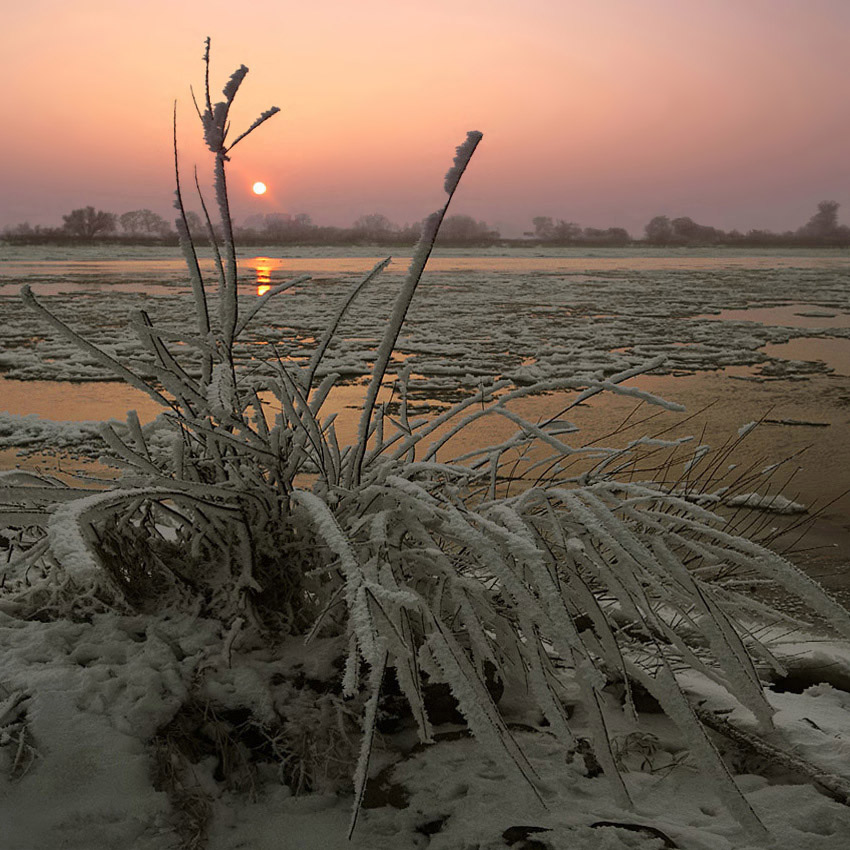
pixel 17 752
pixel 426 569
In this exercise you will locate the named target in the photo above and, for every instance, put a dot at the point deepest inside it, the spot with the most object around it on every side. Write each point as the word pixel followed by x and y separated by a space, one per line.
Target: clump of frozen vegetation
pixel 281 601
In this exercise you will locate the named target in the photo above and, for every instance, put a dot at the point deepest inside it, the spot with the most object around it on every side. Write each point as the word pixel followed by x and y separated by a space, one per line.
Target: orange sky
pixel 603 112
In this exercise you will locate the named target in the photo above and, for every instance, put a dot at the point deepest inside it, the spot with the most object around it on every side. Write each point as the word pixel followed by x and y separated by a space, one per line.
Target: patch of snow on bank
pixel 34 434
pixel 776 504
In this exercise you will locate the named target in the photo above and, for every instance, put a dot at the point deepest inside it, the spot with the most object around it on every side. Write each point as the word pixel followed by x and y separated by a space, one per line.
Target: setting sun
pixel 259 188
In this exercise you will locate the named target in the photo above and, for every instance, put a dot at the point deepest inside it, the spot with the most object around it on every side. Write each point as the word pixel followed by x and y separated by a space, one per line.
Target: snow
pixel 97 691
pixel 33 433
pixel 777 504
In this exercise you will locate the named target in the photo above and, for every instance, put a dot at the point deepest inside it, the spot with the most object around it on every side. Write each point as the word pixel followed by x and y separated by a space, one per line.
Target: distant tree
pixel 465 230
pixel 618 235
pixel 26 234
pixel 758 236
pixel 549 230
pixel 254 222
pixel 144 223
pixel 410 233
pixel 374 225
pixel 567 231
pixel 824 223
pixel 544 227
pixel 659 231
pixel 23 229
pixel 594 234
pixel 686 231
pixel 87 222
pixel 195 223
pixel 609 236
pixel 276 225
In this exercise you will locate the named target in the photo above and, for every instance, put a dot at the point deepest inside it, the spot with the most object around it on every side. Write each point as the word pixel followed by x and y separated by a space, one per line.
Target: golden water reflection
pixel 263 266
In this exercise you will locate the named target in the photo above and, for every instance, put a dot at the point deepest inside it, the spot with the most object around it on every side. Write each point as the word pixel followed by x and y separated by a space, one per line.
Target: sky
pixel 601 112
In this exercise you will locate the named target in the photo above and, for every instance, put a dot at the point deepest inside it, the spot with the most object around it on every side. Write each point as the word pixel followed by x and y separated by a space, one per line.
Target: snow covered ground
pixel 80 703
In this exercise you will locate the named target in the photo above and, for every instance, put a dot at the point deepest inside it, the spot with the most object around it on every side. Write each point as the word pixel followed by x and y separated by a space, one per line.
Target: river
pixel 746 336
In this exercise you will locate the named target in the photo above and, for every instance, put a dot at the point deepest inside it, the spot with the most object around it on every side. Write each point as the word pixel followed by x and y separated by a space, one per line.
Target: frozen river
pixel 745 337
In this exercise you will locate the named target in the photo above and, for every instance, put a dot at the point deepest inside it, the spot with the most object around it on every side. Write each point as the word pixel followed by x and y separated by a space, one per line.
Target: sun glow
pixel 259 188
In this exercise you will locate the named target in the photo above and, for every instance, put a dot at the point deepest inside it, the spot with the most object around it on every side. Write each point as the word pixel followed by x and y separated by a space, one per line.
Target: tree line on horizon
pixel 87 224
pixel 821 230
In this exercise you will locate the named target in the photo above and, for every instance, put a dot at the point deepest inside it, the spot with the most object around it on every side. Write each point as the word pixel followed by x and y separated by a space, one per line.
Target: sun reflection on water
pixel 264 274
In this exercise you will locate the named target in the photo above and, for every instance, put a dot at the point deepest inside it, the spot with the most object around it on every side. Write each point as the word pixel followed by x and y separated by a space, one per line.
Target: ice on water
pixel 466 326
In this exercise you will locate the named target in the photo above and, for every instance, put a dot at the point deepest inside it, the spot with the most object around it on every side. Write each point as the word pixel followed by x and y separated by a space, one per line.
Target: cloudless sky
pixel 602 112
